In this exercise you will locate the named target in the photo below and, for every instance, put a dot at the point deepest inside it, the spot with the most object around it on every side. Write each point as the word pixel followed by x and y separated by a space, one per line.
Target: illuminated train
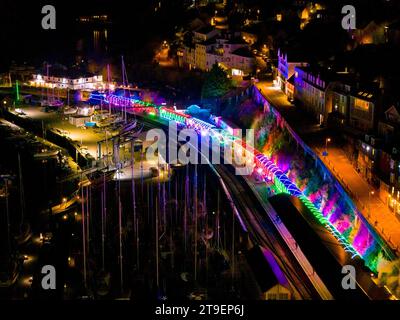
pixel 265 167
pixel 185 119
pixel 129 102
pixel 202 127
pixel 120 101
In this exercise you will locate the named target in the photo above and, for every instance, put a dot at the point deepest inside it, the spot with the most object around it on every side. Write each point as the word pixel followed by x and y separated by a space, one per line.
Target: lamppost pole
pixel 369 202
pixel 327 140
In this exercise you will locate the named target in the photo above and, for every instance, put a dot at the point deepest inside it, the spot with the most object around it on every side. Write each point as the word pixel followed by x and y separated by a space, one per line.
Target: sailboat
pixel 25 232
pixel 50 102
pixel 9 265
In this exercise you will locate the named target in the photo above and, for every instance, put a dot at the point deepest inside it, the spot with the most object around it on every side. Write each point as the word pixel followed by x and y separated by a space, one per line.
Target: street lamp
pixel 370 193
pixel 326 143
pixel 325 153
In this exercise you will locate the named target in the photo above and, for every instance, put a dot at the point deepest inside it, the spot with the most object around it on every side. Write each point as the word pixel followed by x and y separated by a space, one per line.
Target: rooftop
pixel 265 268
pixel 212 40
pixel 243 52
pixel 321 73
pixel 294 54
pixel 364 94
pixel 205 29
pixel 237 40
pixel 67 73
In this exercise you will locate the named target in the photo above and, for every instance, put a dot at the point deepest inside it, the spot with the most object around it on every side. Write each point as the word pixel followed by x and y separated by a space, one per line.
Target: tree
pixel 216 83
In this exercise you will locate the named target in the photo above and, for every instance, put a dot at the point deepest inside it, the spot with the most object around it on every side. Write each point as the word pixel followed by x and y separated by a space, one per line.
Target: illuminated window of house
pixel 361 105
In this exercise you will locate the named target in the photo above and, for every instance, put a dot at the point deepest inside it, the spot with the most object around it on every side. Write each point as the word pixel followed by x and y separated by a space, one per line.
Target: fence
pixel 268 107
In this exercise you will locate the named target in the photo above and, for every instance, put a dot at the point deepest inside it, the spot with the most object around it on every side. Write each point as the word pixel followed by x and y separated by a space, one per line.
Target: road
pixel 300 121
pixel 384 221
pixel 368 201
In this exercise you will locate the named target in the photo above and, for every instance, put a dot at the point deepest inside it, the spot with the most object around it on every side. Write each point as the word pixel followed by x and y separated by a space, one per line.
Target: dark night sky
pixel 134 25
pixel 23 38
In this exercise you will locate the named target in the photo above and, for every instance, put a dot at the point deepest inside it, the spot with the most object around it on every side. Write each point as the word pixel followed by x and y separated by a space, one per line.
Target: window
pixel 283 296
pixel 361 105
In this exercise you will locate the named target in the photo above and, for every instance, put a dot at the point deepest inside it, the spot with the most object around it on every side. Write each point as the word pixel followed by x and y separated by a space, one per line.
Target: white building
pixel 88 82
pixel 287 62
pixel 227 50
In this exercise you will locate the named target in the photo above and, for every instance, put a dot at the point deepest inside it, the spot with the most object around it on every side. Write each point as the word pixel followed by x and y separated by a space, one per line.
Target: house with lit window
pixel 389 124
pixel 220 21
pixel 189 56
pixel 371 32
pixel 65 81
pixel 393 199
pixel 311 86
pixel 362 109
pixel 369 152
pixel 287 62
pixel 389 162
pixel 340 100
pixel 241 62
pixel 228 49
pixel 205 33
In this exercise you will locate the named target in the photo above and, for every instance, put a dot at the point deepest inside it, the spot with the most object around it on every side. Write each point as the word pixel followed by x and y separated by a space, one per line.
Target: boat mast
pixel 5 178
pixel 83 234
pixel 21 192
pixel 124 84
pixel 157 268
pixel 135 222
pixel 108 86
pixel 47 88
pixel 195 222
pixel 103 209
pixel 120 235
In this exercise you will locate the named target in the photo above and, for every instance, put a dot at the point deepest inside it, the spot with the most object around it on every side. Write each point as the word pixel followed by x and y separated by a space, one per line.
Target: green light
pixel 280 187
pixel 325 222
pixel 17 91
